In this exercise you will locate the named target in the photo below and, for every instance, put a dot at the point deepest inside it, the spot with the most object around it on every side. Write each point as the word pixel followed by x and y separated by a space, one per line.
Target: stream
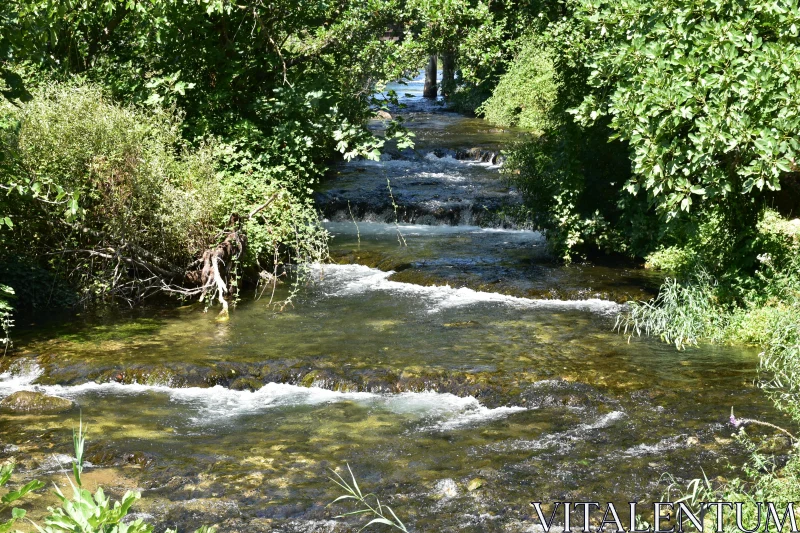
pixel 456 367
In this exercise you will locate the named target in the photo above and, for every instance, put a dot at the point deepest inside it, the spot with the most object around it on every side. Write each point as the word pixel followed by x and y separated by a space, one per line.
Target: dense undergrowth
pixel 170 148
pixel 134 184
pixel 667 131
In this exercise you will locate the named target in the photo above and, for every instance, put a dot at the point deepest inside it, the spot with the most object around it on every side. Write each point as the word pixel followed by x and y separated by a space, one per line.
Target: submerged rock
pixel 562 393
pixel 445 488
pixel 35 402
pixel 474 484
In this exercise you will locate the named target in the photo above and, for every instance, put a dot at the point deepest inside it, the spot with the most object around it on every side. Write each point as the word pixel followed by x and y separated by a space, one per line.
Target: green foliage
pixel 12 496
pixel 570 188
pixel 662 108
pixel 288 230
pixel 86 178
pixel 74 144
pixel 471 30
pixel 108 196
pixel 681 314
pixel 724 305
pixel 672 259
pixel 482 37
pixel 719 301
pixel 185 113
pixel 704 242
pixel 89 513
pixel 705 93
pixel 382 514
pixel 764 483
pixel 780 331
pixel 526 94
pixel 570 176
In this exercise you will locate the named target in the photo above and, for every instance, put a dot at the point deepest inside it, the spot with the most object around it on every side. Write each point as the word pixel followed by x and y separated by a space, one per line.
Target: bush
pixel 671 259
pixel 685 84
pixel 111 199
pixel 87 176
pixel 569 178
pixel 721 302
pixel 288 231
pixel 129 170
pixel 527 93
pixel 681 314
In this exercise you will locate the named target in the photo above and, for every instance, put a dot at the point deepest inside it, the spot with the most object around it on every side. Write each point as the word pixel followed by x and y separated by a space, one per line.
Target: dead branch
pixel 136 273
pixel 255 211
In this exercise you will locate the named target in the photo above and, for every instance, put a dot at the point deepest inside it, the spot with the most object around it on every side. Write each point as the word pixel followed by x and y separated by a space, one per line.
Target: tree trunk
pixel 448 73
pixel 430 89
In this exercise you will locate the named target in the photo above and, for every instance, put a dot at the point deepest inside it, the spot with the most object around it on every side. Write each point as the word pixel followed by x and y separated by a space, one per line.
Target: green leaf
pixel 7 469
pixel 378 521
pixel 19 493
pixel 5 527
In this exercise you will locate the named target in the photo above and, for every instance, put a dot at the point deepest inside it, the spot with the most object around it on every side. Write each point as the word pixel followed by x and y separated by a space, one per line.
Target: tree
pixel 706 93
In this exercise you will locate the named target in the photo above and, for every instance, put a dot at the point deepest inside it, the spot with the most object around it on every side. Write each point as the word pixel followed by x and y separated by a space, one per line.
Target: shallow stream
pixel 444 356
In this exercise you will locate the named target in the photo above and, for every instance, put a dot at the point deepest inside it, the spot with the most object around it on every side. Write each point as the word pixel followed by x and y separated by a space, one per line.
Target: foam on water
pixel 476 416
pixel 204 406
pixel 441 406
pixel 429 230
pixel 20 376
pixel 348 280
pixel 669 443
pixel 449 160
pixel 561 442
pixel 430 165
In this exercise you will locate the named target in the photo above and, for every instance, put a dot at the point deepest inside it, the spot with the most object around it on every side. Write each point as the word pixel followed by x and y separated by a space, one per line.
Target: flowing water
pixel 444 356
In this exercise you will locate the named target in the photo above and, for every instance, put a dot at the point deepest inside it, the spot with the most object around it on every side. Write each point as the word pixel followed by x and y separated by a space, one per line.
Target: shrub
pixel 685 84
pixel 681 314
pixel 569 178
pixel 527 93
pixel 112 200
pixel 670 259
pixel 87 177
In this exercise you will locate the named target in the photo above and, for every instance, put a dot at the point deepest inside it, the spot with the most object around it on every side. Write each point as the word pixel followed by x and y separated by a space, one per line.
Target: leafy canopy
pixel 705 92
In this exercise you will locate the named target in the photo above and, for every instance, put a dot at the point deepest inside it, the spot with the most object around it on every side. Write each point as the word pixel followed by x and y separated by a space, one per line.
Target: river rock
pixel 445 489
pixel 35 402
pixel 474 484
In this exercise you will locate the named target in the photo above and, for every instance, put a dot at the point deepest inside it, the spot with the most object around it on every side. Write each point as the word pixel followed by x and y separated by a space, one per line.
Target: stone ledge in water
pixel 35 402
